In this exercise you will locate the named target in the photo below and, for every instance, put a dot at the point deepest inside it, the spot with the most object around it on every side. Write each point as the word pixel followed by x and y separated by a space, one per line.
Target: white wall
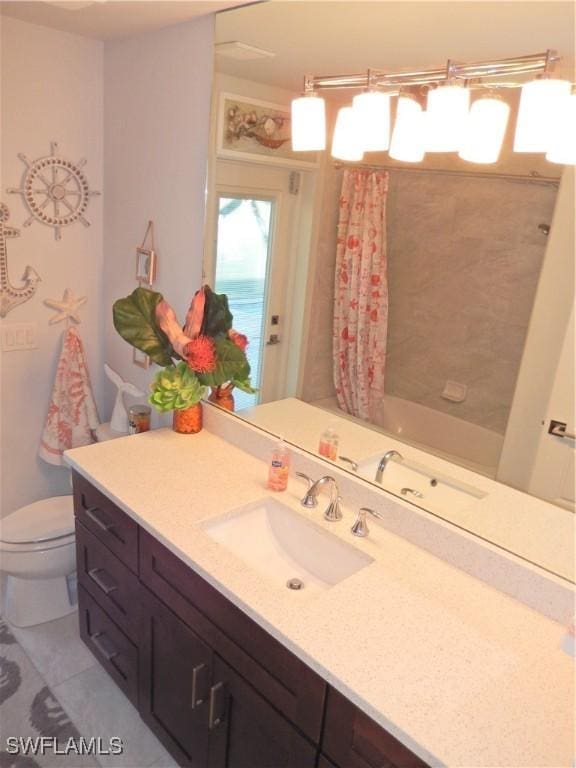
pixel 553 305
pixel 52 90
pixel 157 107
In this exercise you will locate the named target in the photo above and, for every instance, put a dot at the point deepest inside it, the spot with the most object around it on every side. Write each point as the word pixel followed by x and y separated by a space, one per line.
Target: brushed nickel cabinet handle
pixel 96 639
pixel 93 574
pixel 217 709
pixel 91 513
pixel 198 696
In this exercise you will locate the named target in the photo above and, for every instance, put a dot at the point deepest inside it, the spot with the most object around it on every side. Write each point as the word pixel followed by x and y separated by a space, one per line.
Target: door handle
pixel 217 710
pixel 93 574
pixel 198 685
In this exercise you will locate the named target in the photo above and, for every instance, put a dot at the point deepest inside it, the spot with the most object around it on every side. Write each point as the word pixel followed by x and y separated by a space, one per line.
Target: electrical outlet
pixel 19 336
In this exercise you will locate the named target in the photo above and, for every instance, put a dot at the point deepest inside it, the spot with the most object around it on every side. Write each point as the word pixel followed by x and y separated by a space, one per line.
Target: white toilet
pixel 38 559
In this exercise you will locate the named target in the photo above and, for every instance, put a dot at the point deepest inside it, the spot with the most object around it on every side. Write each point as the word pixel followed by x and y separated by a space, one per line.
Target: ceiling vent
pixel 242 51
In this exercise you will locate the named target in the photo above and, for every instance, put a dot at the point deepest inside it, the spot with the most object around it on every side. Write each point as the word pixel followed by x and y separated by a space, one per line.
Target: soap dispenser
pixel 279 467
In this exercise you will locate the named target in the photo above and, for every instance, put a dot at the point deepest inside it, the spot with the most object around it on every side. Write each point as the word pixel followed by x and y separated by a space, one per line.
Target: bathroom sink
pixel 438 493
pixel 281 544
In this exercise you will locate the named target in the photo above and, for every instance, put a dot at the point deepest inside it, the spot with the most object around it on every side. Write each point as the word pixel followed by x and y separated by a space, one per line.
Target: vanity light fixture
pixel 345 142
pixel 408 137
pixel 373 110
pixel 308 121
pixel 540 101
pixel 485 129
pixel 563 141
pixel 448 116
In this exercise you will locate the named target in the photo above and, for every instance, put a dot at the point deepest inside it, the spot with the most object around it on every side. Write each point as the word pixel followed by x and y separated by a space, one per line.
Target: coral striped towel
pixel 72 414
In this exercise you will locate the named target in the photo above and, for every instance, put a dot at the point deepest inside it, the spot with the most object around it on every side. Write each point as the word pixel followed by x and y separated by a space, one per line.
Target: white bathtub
pixel 446 436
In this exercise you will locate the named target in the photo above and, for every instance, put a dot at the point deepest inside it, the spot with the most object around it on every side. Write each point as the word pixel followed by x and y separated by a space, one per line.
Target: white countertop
pixel 463 675
pixel 541 532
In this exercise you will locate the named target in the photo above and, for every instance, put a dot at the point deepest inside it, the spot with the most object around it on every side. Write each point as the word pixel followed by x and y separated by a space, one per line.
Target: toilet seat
pixel 42 525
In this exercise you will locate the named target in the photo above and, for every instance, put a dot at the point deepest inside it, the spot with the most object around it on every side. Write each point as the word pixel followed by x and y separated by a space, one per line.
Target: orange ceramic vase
pixel 188 421
pixel 223 397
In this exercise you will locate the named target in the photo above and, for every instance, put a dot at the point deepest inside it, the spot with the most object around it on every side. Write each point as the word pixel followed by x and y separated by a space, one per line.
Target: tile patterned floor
pixel 91 699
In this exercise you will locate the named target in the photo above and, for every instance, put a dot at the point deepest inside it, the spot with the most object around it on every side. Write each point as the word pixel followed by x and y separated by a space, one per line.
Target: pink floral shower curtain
pixel 361 293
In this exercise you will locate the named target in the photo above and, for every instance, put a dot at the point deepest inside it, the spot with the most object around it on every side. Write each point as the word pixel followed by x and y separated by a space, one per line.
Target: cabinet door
pixel 175 683
pixel 353 740
pixel 246 732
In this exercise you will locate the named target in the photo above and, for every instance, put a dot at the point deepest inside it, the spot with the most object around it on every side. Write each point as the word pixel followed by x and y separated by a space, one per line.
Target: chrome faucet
pixel 384 463
pixel 310 498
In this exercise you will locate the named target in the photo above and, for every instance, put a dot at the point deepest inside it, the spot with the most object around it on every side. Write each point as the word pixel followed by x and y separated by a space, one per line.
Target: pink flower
pixel 239 339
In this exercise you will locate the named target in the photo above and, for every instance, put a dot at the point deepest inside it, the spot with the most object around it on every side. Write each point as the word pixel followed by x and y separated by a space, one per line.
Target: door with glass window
pixel 249 260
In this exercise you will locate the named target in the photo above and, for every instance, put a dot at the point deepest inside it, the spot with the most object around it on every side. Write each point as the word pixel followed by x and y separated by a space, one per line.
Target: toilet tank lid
pixel 41 521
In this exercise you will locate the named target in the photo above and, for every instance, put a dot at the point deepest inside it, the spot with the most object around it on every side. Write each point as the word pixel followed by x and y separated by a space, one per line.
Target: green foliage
pixel 176 387
pixel 231 364
pixel 217 316
pixel 135 320
pixel 245 386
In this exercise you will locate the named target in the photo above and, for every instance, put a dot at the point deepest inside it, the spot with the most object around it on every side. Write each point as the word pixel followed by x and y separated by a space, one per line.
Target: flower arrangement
pixel 205 352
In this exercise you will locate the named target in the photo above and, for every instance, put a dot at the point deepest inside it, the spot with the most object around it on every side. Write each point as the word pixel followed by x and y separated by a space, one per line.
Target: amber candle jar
pixel 188 421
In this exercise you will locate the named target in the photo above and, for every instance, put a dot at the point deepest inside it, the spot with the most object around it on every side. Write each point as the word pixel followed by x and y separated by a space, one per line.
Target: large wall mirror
pixel 472 340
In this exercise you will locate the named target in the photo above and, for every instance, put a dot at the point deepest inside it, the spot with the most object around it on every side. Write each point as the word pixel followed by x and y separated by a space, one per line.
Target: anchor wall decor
pixel 10 296
pixel 55 191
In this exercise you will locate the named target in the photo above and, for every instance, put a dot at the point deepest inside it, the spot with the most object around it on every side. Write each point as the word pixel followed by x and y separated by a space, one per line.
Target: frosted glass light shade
pixel 539 102
pixel 308 124
pixel 446 118
pixel 485 129
pixel 408 136
pixel 373 111
pixel 347 140
pixel 563 136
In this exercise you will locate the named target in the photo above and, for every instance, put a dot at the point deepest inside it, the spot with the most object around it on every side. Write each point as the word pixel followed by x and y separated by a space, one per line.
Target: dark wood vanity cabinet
pixel 215 687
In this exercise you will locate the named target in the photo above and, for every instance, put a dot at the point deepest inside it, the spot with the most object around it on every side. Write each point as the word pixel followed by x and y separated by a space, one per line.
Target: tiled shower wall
pixel 464 255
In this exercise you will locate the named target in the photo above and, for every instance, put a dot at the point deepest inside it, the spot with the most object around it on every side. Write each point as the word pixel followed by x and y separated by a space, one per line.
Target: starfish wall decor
pixel 55 191
pixel 67 307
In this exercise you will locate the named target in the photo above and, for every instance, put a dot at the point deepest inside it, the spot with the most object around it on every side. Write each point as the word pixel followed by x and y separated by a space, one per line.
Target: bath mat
pixel 31 718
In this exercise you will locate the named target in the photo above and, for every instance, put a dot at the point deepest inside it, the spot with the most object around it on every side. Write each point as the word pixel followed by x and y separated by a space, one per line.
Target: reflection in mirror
pixel 424 309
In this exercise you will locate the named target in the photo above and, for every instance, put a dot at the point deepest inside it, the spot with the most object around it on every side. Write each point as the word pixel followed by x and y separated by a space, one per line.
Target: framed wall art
pixel 259 131
pixel 146 258
pixel 140 359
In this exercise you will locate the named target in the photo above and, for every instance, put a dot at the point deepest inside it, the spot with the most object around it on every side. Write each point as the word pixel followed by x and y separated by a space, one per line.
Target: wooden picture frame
pixel 145 266
pixel 140 359
pixel 257 131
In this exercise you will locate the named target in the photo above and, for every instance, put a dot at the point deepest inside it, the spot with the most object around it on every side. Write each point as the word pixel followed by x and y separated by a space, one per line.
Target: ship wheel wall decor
pixel 10 296
pixel 55 191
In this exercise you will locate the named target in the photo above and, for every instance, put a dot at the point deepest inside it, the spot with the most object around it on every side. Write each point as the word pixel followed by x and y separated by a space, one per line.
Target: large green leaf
pixel 231 364
pixel 135 320
pixel 217 316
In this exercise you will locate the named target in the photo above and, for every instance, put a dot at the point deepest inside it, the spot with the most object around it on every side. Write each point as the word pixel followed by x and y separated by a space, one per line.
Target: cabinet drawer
pixel 108 580
pixel 285 681
pixel 106 521
pixel 353 740
pixel 117 654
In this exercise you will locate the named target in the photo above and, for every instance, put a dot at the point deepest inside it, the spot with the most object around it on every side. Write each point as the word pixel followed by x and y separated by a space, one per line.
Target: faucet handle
pixel 333 512
pixel 353 464
pixel 309 499
pixel 360 527
pixel 306 477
